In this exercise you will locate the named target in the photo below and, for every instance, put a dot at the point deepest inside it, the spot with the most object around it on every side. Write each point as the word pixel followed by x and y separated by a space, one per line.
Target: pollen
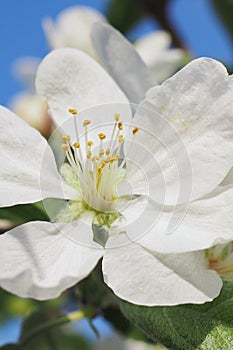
pixel 86 122
pixel 120 138
pixel 73 111
pixel 120 126
pixel 89 154
pixel 76 145
pixel 117 117
pixel 101 152
pixel 102 136
pixel 65 147
pixel 135 130
pixel 66 138
pixel 89 143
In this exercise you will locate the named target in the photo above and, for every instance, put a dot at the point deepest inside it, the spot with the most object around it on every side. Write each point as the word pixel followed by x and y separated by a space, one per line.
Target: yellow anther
pixel 89 143
pixel 107 151
pixel 86 122
pixel 76 145
pixel 101 152
pixel 135 130
pixel 112 159
pixel 89 154
pixel 101 166
pixel 65 147
pixel 120 126
pixel 95 158
pixel 120 138
pixel 73 111
pixel 117 117
pixel 102 136
pixel 66 138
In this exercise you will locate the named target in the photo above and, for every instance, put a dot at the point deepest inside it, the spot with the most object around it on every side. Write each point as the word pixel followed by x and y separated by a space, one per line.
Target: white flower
pixel 154 49
pixel 27 104
pixel 73 28
pixel 143 261
pixel 220 259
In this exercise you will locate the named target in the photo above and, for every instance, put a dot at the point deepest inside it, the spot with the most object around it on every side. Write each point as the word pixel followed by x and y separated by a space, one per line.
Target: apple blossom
pixel 73 28
pixel 220 259
pixel 154 49
pixel 121 187
pixel 27 104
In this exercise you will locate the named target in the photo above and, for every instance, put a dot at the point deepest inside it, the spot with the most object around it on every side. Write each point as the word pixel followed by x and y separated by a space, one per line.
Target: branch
pixel 158 10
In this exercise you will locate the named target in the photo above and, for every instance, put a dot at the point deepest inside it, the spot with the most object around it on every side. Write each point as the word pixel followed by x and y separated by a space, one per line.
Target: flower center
pixel 99 168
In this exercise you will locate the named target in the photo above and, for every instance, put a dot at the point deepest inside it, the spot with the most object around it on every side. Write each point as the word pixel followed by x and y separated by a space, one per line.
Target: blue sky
pixel 21 33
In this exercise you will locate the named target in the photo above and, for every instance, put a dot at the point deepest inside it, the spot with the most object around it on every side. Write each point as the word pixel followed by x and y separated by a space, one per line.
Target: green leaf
pixel 203 327
pixel 225 10
pixel 19 214
pixel 44 341
pixel 123 14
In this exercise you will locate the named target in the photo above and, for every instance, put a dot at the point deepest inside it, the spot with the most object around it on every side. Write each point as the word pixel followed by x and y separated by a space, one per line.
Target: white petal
pixel 205 223
pixel 41 259
pixel 73 29
pixel 194 107
pixel 155 52
pixel 145 278
pixel 164 66
pixel 122 62
pixel 32 108
pixel 28 170
pixel 137 217
pixel 156 41
pixel 153 168
pixel 228 180
pixel 68 78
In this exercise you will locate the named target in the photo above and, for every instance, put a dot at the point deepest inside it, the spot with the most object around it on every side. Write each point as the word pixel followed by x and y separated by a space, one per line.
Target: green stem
pixel 71 317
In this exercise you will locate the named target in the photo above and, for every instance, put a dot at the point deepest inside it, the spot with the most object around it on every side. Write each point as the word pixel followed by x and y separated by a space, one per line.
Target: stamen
pixel 117 117
pixel 108 151
pixel 65 147
pixel 89 154
pixel 86 122
pixel 76 145
pixel 73 111
pixel 102 136
pixel 120 138
pixel 101 152
pixel 120 126
pixel 66 138
pixel 89 143
pixel 135 130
